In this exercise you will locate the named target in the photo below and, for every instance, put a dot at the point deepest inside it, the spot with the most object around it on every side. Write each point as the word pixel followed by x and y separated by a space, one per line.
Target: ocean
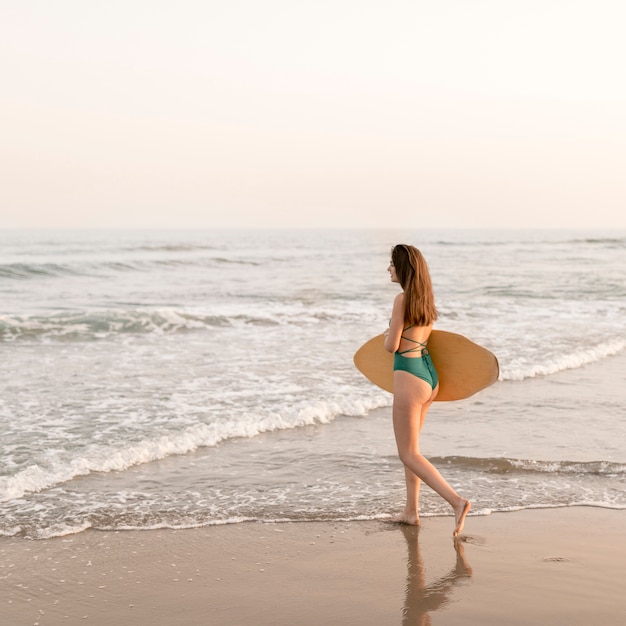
pixel 179 379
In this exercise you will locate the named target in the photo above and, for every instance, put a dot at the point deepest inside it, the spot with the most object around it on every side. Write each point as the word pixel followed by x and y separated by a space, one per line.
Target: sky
pixel 312 113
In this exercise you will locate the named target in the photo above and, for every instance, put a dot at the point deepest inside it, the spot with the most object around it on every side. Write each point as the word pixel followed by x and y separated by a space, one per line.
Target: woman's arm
pixel 393 334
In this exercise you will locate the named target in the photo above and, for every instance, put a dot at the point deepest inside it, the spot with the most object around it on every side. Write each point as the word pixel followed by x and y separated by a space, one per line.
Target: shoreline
pixel 557 566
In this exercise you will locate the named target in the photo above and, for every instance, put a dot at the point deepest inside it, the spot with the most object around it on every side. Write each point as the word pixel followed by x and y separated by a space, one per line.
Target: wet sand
pixel 556 566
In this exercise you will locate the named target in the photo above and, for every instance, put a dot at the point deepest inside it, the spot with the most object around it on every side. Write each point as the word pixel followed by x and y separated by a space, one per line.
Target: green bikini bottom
pixel 420 366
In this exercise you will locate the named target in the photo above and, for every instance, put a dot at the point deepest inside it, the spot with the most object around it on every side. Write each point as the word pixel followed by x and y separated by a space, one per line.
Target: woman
pixel 415 382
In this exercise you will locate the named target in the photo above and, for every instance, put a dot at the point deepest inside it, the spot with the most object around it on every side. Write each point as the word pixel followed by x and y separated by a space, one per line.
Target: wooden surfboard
pixel 463 367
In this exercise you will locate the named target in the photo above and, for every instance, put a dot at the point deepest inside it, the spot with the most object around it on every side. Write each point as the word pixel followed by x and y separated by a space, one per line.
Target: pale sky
pixel 312 113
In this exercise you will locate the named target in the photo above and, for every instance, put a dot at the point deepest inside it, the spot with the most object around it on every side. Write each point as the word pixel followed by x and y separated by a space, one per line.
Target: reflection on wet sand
pixel 422 599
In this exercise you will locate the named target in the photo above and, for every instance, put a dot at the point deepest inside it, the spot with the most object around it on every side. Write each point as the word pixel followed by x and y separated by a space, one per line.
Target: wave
pixel 502 465
pixel 611 242
pixel 44 475
pixel 31 271
pixel 82 325
pixel 509 238
pixel 104 324
pixel 21 271
pixel 169 247
pixel 563 362
pixel 106 459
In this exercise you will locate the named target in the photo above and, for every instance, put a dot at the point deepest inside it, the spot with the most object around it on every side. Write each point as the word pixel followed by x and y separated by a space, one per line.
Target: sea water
pixel 177 379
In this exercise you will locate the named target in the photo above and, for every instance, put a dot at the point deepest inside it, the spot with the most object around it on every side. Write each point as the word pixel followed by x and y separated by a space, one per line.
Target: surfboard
pixel 463 367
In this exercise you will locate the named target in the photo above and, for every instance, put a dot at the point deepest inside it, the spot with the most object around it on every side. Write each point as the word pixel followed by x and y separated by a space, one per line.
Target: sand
pixel 556 566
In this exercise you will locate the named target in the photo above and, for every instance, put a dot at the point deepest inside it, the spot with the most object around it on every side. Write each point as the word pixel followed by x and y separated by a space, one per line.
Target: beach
pixel 185 439
pixel 555 566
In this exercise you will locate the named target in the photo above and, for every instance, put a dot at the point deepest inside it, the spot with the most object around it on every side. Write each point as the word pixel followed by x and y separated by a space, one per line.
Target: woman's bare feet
pixel 412 519
pixel 460 513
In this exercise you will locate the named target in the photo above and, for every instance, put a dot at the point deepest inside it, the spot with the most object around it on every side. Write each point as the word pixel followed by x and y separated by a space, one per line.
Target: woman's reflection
pixel 422 599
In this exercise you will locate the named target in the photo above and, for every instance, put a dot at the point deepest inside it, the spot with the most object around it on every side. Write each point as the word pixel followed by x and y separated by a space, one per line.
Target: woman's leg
pixel 411 397
pixel 410 515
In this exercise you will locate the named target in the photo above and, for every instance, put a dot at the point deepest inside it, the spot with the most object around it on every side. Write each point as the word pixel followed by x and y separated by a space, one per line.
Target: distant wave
pixel 31 271
pixel 100 324
pixel 611 242
pixel 236 261
pixel 21 271
pixel 617 242
pixel 81 326
pixel 169 247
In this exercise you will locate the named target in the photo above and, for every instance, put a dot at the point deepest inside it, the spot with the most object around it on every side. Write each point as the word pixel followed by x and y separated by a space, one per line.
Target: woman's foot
pixel 412 519
pixel 460 513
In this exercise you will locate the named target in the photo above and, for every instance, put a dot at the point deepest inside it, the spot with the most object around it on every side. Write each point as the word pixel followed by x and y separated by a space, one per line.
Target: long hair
pixel 412 272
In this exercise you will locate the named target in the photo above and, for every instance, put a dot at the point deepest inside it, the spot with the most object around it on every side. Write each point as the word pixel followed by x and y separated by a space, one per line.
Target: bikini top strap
pixel 420 347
